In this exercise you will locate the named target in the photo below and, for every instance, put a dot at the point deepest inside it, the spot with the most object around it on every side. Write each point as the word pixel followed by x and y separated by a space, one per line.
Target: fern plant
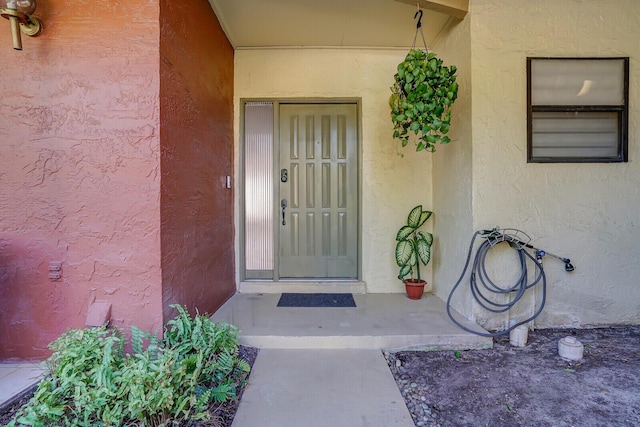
pixel 209 348
pixel 165 381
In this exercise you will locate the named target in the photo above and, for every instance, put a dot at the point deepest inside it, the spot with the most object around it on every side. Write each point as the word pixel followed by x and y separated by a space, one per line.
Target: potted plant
pixel 421 97
pixel 413 248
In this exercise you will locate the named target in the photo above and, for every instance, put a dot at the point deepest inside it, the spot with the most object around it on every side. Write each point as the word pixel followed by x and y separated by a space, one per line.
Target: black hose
pixel 479 277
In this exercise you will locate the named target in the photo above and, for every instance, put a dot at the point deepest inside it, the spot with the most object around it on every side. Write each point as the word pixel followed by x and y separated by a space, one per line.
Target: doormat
pixel 316 300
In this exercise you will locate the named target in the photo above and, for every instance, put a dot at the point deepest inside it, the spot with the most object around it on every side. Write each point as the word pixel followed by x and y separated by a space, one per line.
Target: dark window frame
pixel 622 112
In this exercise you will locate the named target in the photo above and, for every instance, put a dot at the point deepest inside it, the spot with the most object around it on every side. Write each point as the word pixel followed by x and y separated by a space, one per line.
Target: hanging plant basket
pixel 421 97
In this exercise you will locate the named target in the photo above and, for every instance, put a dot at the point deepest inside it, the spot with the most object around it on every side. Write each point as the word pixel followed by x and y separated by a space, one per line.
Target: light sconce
pixel 18 12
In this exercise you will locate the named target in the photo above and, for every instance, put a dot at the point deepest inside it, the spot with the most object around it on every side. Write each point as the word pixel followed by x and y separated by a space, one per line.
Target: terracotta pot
pixel 414 288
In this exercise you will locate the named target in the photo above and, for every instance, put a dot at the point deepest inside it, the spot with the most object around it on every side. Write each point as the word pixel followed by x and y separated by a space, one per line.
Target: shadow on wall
pixel 30 308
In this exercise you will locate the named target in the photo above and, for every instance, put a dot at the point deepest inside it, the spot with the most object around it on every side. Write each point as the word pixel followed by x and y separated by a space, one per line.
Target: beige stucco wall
pixel 586 212
pixel 391 184
pixel 452 171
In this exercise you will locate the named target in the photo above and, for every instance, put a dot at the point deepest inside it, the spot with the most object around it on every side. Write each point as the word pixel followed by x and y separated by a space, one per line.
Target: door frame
pixel 240 179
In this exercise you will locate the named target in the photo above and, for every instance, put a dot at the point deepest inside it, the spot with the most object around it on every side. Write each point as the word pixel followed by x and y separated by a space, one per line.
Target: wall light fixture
pixel 18 12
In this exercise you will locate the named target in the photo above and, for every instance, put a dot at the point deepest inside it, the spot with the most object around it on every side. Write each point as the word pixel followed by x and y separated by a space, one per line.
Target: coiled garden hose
pixel 481 284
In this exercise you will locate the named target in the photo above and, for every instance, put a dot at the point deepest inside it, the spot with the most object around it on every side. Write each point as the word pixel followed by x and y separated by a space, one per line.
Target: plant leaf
pixel 424 251
pixel 405 270
pixel 404 233
pixel 413 260
pixel 428 237
pixel 404 250
pixel 424 216
pixel 414 217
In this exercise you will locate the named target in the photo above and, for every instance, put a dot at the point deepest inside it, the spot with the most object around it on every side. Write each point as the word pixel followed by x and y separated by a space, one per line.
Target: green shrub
pixel 163 382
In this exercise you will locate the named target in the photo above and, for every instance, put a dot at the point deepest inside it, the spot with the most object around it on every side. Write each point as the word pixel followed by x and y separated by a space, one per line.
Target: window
pixel 577 109
pixel 258 190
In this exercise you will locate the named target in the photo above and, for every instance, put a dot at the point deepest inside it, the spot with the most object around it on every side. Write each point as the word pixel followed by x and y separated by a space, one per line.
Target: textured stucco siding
pixel 85 179
pixel 196 112
pixel 586 212
pixel 452 170
pixel 79 172
pixel 391 184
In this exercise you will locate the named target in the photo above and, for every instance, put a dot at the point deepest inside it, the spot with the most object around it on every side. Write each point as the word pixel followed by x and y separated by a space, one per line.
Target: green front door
pixel 318 197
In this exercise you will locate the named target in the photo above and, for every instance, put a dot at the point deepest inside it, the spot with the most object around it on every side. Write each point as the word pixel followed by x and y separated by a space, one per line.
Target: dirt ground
pixel 512 386
pixel 529 386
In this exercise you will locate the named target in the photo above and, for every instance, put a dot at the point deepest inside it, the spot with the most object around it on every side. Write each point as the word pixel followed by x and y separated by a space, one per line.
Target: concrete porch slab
pixel 380 321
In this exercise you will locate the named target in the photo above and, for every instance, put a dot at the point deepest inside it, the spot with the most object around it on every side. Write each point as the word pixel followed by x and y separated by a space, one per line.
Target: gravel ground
pixel 529 386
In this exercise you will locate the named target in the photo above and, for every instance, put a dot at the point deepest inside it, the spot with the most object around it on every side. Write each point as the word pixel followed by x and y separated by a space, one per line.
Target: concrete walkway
pixel 320 367
pixel 16 378
pixel 320 388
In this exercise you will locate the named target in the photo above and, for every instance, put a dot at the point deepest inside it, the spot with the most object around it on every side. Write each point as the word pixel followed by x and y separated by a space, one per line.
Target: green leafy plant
pixel 169 381
pixel 413 247
pixel 421 97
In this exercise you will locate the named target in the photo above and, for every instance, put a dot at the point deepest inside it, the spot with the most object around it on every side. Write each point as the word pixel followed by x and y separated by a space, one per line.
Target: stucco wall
pixel 391 184
pixel 586 212
pixel 452 170
pixel 196 115
pixel 79 178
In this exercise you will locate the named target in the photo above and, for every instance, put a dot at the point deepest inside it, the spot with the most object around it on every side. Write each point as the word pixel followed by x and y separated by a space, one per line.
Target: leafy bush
pixel 421 97
pixel 163 382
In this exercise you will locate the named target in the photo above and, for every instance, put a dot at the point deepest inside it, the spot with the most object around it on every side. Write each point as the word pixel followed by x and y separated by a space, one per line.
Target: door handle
pixel 283 205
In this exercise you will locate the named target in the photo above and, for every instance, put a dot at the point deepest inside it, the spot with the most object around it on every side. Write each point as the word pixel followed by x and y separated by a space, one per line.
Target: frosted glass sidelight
pixel 259 179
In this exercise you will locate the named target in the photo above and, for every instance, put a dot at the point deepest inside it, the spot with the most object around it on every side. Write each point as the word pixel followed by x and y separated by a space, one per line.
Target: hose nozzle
pixel 567 265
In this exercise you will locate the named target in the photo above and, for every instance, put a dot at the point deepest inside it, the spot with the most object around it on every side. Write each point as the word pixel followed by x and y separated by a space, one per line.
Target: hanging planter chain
pixel 419 30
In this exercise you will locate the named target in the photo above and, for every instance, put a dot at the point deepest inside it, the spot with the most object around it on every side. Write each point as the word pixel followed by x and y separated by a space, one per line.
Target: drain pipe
pixel 518 336
pixel 570 348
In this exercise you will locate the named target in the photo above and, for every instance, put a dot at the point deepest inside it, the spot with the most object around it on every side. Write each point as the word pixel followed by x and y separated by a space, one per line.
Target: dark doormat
pixel 316 300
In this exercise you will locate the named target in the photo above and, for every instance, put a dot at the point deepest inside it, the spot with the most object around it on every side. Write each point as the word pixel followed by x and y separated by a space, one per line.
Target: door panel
pixel 319 224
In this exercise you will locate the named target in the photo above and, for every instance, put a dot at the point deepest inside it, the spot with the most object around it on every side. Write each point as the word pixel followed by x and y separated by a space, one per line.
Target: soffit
pixel 324 23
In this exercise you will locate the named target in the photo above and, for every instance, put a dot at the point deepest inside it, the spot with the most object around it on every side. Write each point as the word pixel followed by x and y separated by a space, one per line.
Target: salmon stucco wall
pixel 196 115
pixel 79 172
pixel 391 184
pixel 586 212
